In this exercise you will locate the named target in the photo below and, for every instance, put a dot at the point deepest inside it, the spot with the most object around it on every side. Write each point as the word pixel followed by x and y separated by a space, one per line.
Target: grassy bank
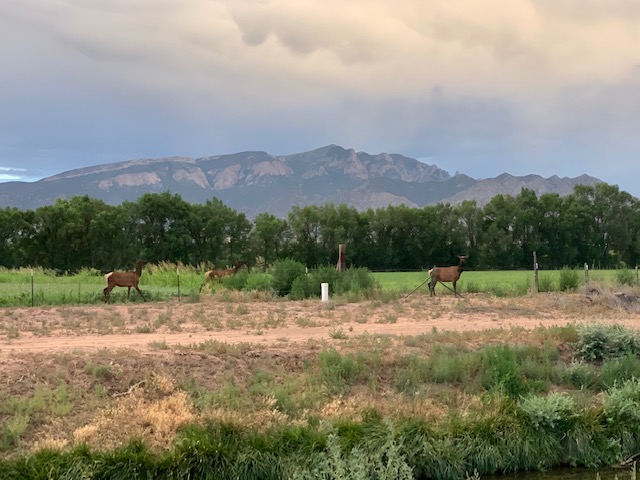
pixel 439 405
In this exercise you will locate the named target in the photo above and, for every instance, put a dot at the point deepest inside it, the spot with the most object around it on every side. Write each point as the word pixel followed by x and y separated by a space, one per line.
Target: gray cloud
pixel 534 86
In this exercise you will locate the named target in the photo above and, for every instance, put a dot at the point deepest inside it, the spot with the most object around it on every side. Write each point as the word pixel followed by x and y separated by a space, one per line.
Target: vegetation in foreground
pixel 431 406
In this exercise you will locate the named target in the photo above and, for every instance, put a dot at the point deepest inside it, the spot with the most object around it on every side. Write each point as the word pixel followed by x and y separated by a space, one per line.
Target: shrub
pixel 383 463
pixel 624 276
pixel 260 282
pixel 357 281
pixel 577 374
pixel 621 405
pixel 569 279
pixel 500 371
pixel 545 283
pixel 599 342
pixel 237 281
pixel 555 410
pixel 619 370
pixel 284 273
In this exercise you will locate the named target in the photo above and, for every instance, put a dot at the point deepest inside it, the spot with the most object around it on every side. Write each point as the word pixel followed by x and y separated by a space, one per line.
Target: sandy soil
pixel 145 326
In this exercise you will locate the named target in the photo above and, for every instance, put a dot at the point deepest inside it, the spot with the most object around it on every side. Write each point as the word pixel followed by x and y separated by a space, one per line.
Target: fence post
pixel 324 289
pixel 342 258
pixel 32 287
pixel 535 272
pixel 586 273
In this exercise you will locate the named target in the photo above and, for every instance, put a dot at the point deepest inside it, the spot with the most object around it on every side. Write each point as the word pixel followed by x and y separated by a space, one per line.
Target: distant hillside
pixel 255 182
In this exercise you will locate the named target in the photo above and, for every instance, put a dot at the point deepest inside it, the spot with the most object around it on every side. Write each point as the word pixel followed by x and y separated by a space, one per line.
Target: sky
pixel 481 87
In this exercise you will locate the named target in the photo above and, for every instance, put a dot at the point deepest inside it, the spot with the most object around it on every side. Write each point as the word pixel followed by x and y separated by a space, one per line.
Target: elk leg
pixel 128 292
pixel 105 292
pixel 140 292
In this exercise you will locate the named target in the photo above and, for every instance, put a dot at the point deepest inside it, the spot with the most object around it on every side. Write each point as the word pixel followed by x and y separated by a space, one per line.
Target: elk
pixel 124 279
pixel 218 274
pixel 446 274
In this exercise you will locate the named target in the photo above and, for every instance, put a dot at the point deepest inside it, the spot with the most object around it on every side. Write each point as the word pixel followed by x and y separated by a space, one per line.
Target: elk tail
pixel 107 275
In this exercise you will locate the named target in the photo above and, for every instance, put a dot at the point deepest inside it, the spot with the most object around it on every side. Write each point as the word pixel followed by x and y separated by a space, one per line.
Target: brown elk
pixel 446 274
pixel 124 279
pixel 218 274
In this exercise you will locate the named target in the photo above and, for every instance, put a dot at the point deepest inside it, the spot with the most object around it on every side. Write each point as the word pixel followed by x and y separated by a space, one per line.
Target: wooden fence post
pixel 341 266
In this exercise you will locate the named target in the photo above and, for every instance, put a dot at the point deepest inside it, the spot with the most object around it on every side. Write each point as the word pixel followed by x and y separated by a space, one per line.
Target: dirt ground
pixel 99 374
pixel 149 327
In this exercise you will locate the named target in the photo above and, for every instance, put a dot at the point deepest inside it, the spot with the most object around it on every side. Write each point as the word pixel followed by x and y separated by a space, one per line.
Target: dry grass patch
pixel 156 422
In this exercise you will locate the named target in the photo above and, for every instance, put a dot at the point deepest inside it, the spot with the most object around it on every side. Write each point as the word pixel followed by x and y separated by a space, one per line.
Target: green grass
pixel 499 282
pixel 25 286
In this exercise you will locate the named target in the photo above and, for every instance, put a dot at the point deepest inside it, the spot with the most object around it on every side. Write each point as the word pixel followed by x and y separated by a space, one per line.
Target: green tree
pixel 162 228
pixel 269 236
pixel 305 229
pixel 15 227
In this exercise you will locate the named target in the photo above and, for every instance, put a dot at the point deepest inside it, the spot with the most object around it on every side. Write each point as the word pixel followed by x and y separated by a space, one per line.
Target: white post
pixel 324 288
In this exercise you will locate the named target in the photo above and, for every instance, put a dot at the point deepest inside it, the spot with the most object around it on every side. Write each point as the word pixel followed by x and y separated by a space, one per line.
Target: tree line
pixel 598 225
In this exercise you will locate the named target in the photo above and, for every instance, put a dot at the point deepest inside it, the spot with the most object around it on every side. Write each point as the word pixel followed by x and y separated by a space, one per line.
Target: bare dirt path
pixel 152 326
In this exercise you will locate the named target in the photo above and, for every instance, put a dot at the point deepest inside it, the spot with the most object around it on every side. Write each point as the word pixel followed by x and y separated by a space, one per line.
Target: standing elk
pixel 124 279
pixel 446 274
pixel 218 274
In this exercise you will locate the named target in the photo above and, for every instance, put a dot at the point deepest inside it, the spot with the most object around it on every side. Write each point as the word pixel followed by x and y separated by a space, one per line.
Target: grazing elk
pixel 218 274
pixel 124 279
pixel 446 274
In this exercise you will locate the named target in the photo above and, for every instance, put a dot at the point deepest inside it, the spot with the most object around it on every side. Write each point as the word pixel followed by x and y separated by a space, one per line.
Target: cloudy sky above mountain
pixel 477 86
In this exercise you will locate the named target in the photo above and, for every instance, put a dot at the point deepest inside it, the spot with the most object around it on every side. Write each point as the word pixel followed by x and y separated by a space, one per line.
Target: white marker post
pixel 324 290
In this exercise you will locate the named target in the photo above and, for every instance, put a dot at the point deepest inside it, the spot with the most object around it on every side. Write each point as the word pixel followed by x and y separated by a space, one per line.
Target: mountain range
pixel 256 182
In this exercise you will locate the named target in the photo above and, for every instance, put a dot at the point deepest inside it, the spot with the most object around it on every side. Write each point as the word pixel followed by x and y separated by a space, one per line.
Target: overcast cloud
pixel 477 86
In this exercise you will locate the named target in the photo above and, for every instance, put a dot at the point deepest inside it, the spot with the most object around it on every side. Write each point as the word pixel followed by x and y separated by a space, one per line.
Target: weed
pixel 159 345
pixel 337 333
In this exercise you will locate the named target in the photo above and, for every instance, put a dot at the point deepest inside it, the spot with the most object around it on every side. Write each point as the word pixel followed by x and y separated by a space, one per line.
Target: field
pixel 99 375
pixel 27 287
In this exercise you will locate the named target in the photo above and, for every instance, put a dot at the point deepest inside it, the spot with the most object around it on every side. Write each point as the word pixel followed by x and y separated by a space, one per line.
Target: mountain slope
pixel 255 182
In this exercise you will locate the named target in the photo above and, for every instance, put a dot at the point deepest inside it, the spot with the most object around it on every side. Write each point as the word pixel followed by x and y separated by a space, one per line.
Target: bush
pixel 545 283
pixel 614 372
pixel 237 281
pixel 569 279
pixel 556 410
pixel 284 273
pixel 603 342
pixel 500 371
pixel 622 405
pixel 357 281
pixel 624 276
pixel 383 463
pixel 260 282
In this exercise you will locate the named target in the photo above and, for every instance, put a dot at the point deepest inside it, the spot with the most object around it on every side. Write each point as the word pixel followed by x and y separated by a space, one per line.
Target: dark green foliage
pixel 532 433
pixel 237 281
pixel 501 371
pixel 284 273
pixel 598 342
pixel 358 281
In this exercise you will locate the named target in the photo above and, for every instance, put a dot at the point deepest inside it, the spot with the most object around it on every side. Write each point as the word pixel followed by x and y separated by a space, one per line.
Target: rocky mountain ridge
pixel 255 182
